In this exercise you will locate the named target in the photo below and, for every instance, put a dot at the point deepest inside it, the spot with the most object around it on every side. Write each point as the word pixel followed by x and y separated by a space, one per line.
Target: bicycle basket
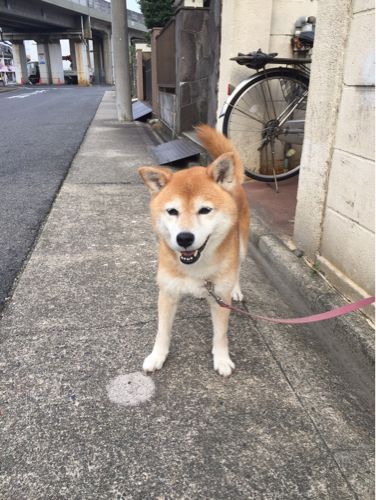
pixel 292 91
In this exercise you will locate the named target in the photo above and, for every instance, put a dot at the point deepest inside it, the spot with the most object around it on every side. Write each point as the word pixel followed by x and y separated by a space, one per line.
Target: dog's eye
pixel 172 211
pixel 204 210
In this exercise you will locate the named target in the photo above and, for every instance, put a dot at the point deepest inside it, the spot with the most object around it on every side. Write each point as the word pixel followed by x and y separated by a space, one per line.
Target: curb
pixel 353 331
pixel 162 135
pixel 9 89
pixel 204 157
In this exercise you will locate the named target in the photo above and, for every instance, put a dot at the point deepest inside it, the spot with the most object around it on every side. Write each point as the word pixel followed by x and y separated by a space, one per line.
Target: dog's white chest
pixel 179 286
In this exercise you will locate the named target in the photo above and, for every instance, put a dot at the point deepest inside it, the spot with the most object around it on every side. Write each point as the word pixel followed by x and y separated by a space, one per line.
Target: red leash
pixel 310 319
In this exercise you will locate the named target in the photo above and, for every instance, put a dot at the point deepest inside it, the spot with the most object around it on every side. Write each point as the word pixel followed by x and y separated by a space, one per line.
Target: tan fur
pixel 217 144
pixel 224 231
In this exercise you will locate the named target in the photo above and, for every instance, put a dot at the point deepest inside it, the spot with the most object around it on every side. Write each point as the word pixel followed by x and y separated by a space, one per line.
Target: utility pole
pixel 121 60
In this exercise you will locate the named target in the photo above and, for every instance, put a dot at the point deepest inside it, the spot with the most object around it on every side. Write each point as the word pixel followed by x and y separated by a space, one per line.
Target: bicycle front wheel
pixel 265 121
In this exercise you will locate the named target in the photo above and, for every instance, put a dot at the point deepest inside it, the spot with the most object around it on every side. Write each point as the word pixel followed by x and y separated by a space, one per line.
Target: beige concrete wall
pixel 284 15
pixel 335 218
pixel 143 46
pixel 248 25
pixel 245 27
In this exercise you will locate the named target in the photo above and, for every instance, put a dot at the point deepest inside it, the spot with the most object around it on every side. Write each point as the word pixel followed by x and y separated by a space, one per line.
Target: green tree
pixel 156 13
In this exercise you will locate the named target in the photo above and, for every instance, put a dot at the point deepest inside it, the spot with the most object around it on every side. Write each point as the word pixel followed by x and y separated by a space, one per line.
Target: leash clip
pixel 209 285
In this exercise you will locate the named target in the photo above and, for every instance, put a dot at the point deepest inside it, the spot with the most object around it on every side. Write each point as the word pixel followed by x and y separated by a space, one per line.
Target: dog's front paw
pixel 153 362
pixel 223 366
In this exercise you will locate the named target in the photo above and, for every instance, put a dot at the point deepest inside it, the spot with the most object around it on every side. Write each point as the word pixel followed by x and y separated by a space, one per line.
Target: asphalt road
pixel 41 129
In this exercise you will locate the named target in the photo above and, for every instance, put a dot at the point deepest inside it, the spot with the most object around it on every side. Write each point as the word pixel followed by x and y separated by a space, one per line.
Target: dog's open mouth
pixel 192 256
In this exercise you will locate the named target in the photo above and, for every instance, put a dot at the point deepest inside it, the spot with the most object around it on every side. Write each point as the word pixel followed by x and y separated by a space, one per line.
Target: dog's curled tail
pixel 217 144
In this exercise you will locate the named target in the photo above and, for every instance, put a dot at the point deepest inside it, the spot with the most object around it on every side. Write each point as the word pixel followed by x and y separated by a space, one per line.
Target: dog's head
pixel 193 209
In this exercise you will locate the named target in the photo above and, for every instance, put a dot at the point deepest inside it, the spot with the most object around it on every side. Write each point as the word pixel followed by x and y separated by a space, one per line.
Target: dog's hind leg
pixel 167 305
pixel 236 293
pixel 222 362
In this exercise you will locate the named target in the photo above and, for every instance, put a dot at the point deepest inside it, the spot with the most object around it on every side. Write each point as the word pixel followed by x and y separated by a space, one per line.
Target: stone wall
pixel 197 59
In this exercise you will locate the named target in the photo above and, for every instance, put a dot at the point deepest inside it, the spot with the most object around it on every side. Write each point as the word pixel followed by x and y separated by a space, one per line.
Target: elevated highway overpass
pixel 49 21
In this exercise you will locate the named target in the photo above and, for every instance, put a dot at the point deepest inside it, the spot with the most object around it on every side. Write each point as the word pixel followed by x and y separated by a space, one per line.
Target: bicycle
pixel 265 116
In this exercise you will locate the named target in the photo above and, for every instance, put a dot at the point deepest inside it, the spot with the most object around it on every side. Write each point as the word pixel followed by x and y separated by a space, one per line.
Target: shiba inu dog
pixel 202 218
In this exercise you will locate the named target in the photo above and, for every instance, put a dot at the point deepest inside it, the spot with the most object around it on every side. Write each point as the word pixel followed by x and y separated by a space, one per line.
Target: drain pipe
pixel 302 40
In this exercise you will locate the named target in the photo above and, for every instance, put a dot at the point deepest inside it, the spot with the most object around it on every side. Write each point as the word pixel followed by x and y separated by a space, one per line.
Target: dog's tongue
pixel 188 254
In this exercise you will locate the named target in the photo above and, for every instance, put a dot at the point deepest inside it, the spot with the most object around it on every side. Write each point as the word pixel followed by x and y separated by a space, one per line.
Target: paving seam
pixel 302 406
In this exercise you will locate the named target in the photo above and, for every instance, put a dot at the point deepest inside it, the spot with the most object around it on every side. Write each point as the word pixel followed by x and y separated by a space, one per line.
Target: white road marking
pixel 131 389
pixel 21 96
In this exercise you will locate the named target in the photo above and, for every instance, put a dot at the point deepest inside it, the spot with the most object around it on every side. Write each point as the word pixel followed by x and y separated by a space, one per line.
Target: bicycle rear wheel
pixel 259 118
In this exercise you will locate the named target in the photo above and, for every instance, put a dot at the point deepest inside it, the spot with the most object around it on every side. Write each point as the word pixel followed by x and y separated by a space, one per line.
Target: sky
pixel 132 5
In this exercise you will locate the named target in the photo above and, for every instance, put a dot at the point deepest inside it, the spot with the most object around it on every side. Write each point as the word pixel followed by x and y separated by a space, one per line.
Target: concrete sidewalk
pixel 9 88
pixel 276 210
pixel 295 421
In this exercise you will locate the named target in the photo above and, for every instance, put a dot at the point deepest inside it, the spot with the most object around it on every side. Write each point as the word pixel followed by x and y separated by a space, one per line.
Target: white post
pixel 20 61
pixel 121 60
pixel 56 61
pixel 43 59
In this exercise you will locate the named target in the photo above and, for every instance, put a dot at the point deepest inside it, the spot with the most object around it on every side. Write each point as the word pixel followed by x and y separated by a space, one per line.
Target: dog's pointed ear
pixel 222 171
pixel 155 178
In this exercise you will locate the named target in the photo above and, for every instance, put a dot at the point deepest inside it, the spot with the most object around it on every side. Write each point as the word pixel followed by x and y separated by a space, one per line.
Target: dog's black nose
pixel 185 239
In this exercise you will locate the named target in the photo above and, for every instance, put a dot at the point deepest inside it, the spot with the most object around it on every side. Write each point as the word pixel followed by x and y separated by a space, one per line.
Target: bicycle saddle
pixel 259 59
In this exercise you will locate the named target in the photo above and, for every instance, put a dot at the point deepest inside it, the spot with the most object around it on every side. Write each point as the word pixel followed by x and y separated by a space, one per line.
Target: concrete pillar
pixel 56 62
pixel 72 49
pixel 107 59
pixel 140 80
pixel 44 64
pixel 19 61
pixel 154 86
pixel 97 52
pixel 333 21
pixel 82 64
pixel 121 60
